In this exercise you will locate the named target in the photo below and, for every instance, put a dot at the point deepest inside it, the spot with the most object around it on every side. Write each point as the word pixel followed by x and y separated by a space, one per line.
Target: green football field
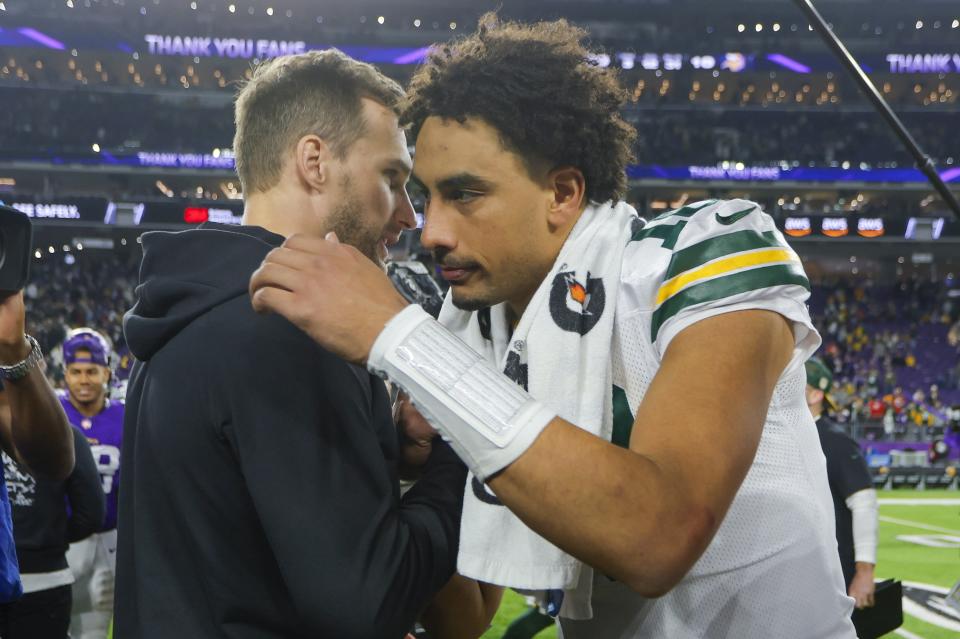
pixel 919 543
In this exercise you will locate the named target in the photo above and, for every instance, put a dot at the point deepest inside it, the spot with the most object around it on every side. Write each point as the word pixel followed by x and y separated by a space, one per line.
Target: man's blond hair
pixel 317 93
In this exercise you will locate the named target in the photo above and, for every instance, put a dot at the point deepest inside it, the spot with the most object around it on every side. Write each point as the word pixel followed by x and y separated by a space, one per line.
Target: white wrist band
pixel 488 419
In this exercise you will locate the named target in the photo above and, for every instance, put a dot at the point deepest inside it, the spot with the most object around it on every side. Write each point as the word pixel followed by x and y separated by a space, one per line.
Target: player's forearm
pixel 40 432
pixel 607 506
pixel 463 609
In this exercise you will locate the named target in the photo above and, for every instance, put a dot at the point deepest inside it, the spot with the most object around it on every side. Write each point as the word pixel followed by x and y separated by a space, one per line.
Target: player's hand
pixel 863 587
pixel 14 347
pixel 416 437
pixel 330 291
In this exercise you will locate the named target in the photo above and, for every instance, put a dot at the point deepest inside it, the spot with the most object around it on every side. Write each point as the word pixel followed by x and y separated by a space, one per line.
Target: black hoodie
pixel 262 497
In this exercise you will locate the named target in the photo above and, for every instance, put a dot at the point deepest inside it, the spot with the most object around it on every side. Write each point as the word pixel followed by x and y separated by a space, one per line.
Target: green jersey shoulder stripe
pixel 727 286
pixel 685 211
pixel 719 246
pixel 667 233
pixel 622 418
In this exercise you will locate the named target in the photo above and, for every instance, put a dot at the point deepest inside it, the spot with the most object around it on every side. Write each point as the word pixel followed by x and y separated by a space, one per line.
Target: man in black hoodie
pixel 261 497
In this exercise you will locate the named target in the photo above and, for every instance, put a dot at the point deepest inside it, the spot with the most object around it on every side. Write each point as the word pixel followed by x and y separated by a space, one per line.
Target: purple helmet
pixel 89 340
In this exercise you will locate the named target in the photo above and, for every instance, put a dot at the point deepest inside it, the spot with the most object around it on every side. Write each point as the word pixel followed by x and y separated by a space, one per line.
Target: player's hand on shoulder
pixel 331 291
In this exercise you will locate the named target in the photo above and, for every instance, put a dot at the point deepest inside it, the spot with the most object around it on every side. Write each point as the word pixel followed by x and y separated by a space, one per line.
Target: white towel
pixel 560 351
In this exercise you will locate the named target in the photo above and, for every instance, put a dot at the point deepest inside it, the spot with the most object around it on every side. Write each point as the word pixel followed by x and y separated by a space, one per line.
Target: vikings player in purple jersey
pixel 86 356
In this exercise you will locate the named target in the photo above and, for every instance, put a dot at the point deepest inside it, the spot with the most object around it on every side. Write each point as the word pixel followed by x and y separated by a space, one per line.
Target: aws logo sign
pixel 576 305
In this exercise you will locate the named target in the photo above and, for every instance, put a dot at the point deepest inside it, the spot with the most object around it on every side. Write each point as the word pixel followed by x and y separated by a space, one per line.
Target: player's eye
pixel 462 195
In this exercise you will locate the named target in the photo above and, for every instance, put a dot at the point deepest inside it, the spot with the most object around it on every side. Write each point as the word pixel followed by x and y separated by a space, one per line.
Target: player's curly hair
pixel 539 87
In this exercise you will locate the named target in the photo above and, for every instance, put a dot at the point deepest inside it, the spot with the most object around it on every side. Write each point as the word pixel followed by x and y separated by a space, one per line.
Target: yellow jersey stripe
pixel 725 265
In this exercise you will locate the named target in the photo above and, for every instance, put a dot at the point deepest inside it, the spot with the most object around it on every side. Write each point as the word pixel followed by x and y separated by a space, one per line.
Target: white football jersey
pixel 772 570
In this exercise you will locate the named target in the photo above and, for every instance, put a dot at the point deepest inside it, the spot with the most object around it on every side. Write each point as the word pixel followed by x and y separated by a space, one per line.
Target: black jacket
pixel 847 473
pixel 48 515
pixel 261 497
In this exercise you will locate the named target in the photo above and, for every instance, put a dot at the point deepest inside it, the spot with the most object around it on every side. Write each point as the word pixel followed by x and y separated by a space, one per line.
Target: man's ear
pixel 567 187
pixel 313 158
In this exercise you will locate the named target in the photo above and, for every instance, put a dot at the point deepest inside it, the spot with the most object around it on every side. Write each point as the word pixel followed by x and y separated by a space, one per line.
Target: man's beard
pixel 346 220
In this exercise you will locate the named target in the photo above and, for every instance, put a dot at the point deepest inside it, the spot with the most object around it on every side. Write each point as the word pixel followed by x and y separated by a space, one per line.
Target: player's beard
pixel 347 221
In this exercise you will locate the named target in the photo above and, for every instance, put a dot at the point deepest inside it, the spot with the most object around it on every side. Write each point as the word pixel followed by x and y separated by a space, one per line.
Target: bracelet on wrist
pixel 22 369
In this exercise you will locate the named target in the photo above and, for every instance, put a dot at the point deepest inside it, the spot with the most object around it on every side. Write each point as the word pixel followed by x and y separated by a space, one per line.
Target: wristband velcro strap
pixel 488 419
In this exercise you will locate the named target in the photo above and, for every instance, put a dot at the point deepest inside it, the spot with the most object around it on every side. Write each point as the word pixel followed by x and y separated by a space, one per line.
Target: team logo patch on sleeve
pixel 576 305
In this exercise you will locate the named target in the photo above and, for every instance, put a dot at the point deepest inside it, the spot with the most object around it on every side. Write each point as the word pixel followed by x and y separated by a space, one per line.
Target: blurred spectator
pixel 47 516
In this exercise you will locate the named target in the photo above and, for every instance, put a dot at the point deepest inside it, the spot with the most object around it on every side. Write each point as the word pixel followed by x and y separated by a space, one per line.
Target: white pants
pixel 94 563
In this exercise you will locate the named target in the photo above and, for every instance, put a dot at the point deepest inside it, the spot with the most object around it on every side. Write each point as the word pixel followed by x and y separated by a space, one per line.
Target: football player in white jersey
pixel 694 491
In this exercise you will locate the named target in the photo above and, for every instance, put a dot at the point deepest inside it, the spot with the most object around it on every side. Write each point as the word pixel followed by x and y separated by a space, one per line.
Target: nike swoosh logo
pixel 727 220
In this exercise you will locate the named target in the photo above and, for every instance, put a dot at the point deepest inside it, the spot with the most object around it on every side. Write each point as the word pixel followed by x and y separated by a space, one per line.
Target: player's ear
pixel 313 157
pixel 566 189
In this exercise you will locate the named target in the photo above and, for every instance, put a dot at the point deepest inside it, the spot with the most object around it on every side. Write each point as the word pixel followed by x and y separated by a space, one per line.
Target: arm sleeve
pixel 864 509
pixel 312 447
pixel 84 492
pixel 729 257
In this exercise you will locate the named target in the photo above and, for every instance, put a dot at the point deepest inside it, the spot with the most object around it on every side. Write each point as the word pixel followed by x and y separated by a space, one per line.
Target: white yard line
pixel 906 633
pixel 906 501
pixel 916 524
pixel 916 611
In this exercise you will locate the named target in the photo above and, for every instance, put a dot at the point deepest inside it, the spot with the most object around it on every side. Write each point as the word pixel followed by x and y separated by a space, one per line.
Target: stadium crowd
pixel 895 355
pixel 70 122
pixel 94 291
